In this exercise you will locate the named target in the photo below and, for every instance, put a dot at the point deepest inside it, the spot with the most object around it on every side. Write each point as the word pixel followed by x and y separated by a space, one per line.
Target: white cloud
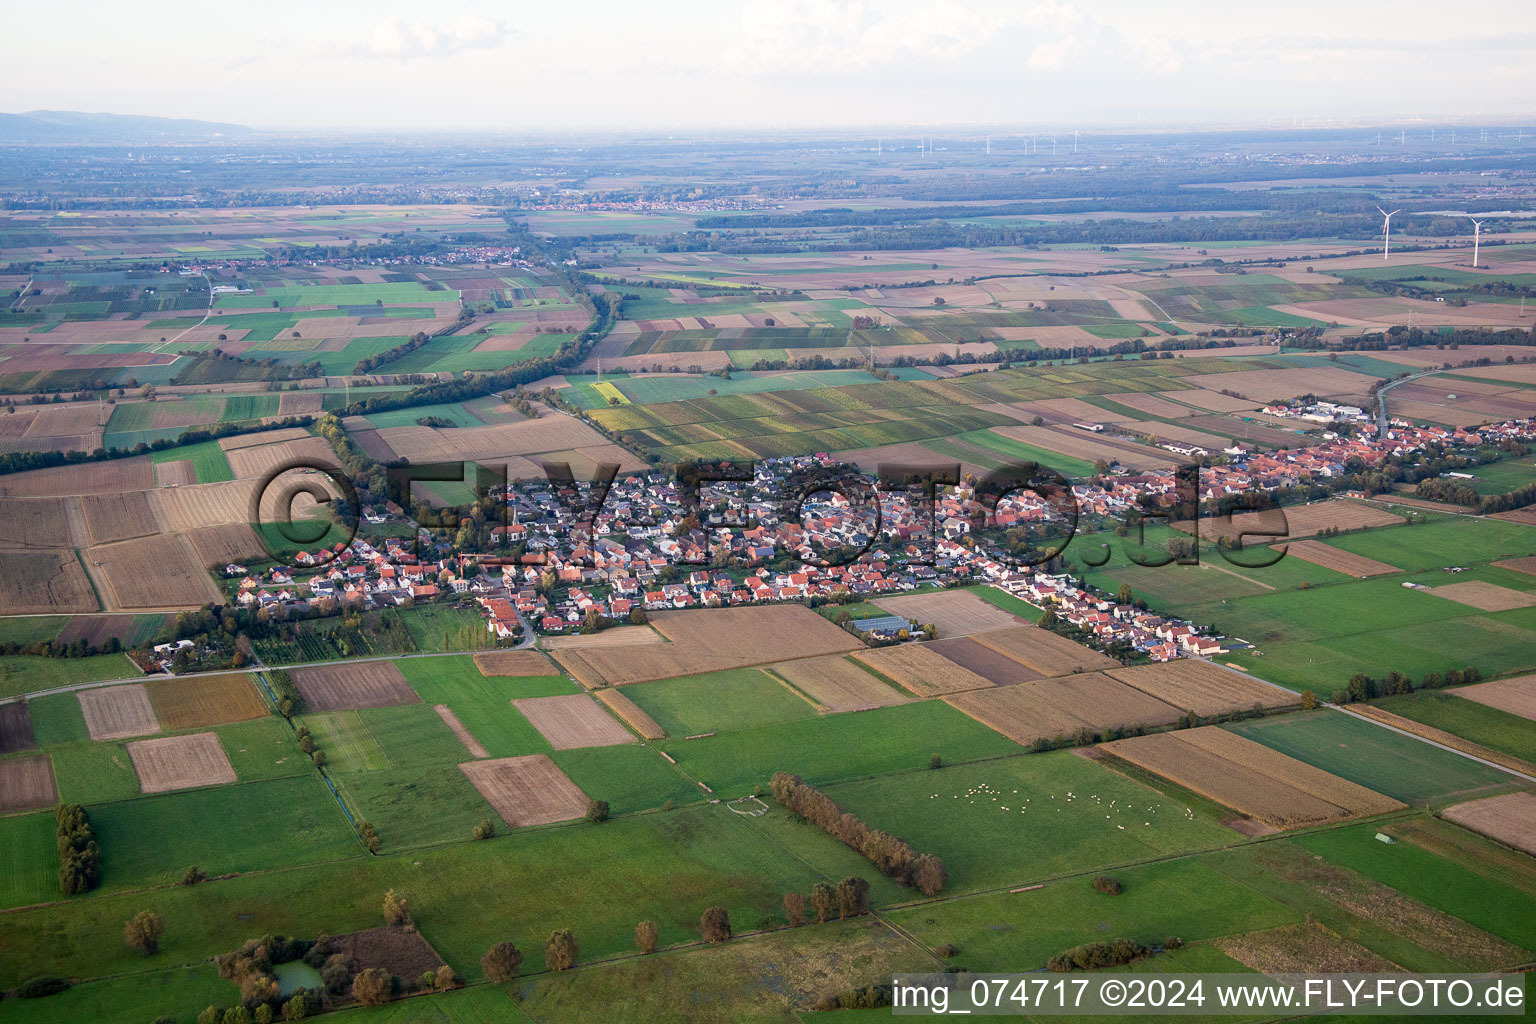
pixel 809 36
pixel 398 39
pixel 1057 55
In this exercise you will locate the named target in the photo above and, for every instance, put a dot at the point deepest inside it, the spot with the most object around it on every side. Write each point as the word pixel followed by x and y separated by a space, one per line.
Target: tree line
pixel 79 853
pixel 889 854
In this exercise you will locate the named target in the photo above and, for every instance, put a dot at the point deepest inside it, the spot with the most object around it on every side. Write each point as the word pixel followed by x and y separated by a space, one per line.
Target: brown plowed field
pixel 527 790
pixel 1517 696
pixel 1079 444
pixel 616 636
pixel 984 661
pixel 1511 819
pixel 262 437
pixel 364 684
pixel 259 460
pixel 152 572
pixel 113 712
pixel 1152 405
pixel 1044 651
pixel 180 762
pixel 920 670
pixel 451 720
pixel 1213 401
pixel 954 612
pixel 1302 520
pixel 1265 386
pixel 134 474
pixel 26 783
pixel 43 582
pixel 837 684
pixel 179 473
pixel 299 403
pixel 16 728
pixel 190 508
pixel 1526 565
pixel 573 720
pixel 114 517
pixel 218 546
pixel 1250 778
pixel 515 663
pixel 1485 597
pixel 36 523
pixel 1199 686
pixel 710 640
pixel 1055 708
pixel 631 713
pixel 549 433
pixel 1319 553
pixel 199 701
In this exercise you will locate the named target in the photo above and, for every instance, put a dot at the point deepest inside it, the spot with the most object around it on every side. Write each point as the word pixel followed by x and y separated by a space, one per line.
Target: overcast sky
pixel 447 64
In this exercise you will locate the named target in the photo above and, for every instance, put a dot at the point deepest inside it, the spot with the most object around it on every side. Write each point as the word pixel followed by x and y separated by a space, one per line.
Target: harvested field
pixel 1212 401
pixel 1057 708
pixel 954 612
pixel 1511 819
pixel 451 720
pixel 180 762
pixel 258 460
pixel 1044 651
pixel 1250 778
pixel 1199 686
pixel 200 701
pixel 527 790
pixel 921 670
pixel 1485 597
pixel 152 572
pixel 1517 695
pixel 134 474
pixel 43 582
pixel 369 441
pixel 1152 405
pixel 218 546
pixel 984 661
pixel 710 640
pixel 114 712
pixel 1527 516
pixel 1305 948
pixel 515 663
pixel 1265 386
pixel 16 728
pixel 37 523
pixel 114 517
pixel 616 636
pixel 183 509
pixel 1526 565
pixel 179 473
pixel 1300 520
pixel 26 784
pixel 368 684
pixel 837 684
pixel 299 403
pixel 1319 553
pixel 573 720
pixel 549 433
pixel 631 713
pixel 262 437
pixel 402 952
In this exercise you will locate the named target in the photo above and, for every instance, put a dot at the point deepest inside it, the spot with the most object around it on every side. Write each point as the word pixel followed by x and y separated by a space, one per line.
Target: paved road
pixel 1381 398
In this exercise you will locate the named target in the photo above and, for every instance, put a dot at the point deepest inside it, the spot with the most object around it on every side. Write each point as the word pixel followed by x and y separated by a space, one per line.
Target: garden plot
pixel 571 721
pixel 180 762
pixel 115 712
pixel 526 790
pixel 370 684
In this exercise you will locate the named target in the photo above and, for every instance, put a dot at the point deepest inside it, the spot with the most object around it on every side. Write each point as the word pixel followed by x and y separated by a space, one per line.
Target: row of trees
pixel 1362 687
pixel 1457 492
pixel 416 341
pixel 79 853
pixel 889 854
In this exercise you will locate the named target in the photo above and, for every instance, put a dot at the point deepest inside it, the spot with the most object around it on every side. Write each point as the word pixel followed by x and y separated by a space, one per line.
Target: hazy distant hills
pixel 75 126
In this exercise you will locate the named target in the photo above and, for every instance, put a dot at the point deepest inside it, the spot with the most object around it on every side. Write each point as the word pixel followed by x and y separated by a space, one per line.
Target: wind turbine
pixel 1386 231
pixel 1477 231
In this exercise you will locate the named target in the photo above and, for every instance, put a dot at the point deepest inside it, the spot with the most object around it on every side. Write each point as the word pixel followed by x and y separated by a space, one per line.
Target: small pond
pixel 294 975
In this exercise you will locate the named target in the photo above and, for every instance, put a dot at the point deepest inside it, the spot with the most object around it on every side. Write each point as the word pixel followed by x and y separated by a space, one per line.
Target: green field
pixel 30 862
pixel 744 698
pixel 1495 729
pixel 1388 762
pixel 483 704
pixel 209 462
pixel 27 673
pixel 835 747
